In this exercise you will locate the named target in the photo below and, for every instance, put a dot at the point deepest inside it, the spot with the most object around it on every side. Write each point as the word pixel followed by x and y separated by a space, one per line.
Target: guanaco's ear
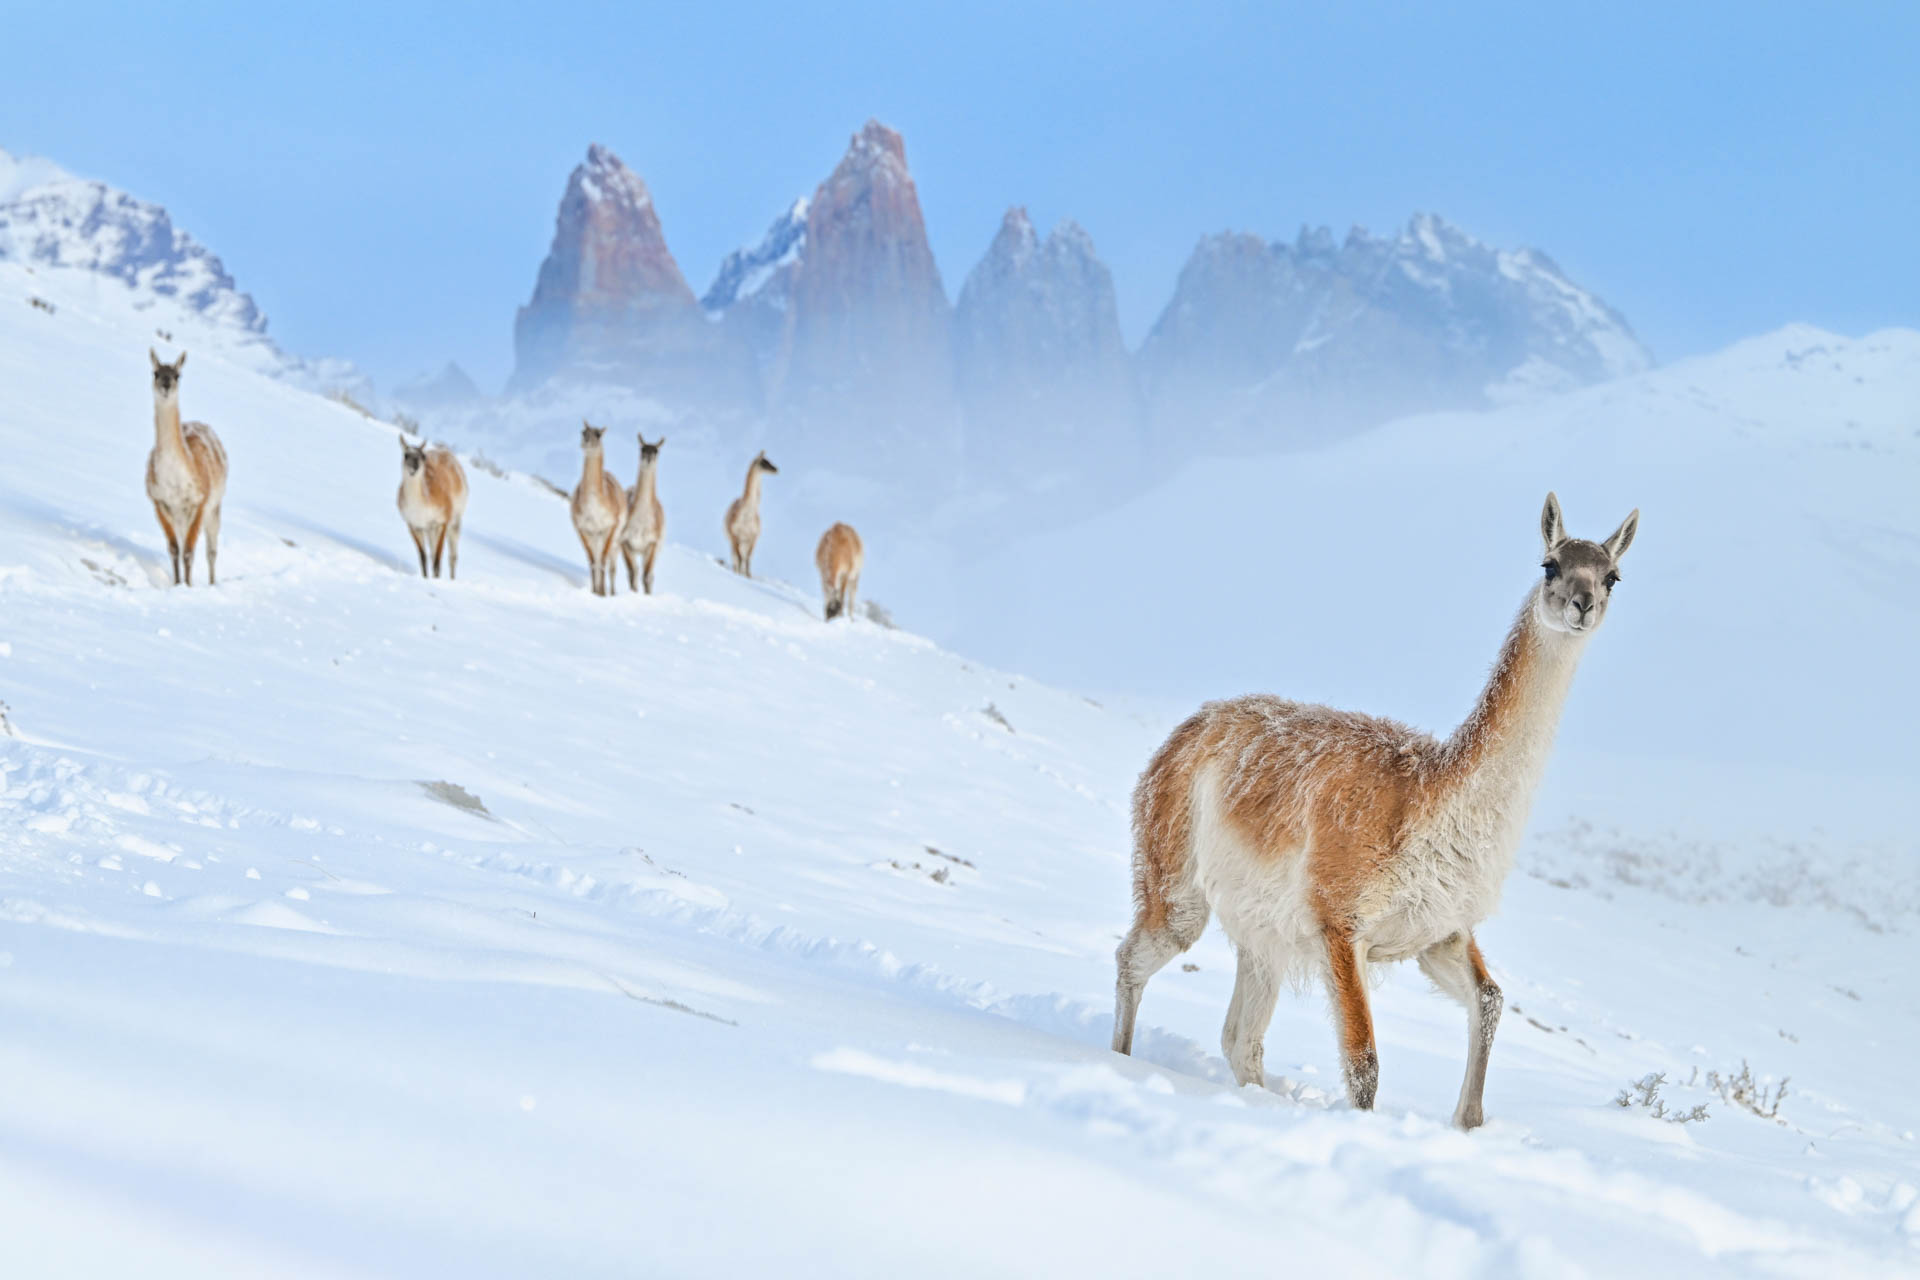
pixel 181 363
pixel 1623 536
pixel 155 358
pixel 1553 529
pixel 661 441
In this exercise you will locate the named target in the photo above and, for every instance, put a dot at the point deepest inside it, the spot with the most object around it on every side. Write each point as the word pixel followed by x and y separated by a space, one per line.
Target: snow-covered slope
pixel 352 924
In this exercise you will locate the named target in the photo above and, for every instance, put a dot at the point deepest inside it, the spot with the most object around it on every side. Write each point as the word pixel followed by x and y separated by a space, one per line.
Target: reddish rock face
pixel 867 333
pixel 610 300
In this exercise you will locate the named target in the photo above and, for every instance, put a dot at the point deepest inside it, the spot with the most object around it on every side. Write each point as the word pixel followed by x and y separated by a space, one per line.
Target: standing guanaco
pixel 1327 841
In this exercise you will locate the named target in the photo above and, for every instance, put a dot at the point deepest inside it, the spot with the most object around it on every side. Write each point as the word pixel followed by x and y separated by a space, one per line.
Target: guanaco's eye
pixel 1613 580
pixel 1553 570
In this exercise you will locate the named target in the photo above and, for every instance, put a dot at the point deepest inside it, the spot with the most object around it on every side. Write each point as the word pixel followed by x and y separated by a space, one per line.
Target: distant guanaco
pixel 646 520
pixel 839 558
pixel 186 475
pixel 1328 841
pixel 433 501
pixel 599 509
pixel 743 515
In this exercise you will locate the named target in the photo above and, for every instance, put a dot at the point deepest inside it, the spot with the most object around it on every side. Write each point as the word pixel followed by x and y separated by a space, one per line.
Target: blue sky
pixel 384 181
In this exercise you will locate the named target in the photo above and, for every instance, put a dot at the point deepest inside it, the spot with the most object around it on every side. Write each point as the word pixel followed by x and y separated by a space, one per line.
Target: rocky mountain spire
pixel 866 340
pixel 1039 357
pixel 610 302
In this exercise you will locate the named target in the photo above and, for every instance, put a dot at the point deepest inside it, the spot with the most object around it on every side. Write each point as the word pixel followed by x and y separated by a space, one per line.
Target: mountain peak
pixel 609 297
pixel 876 147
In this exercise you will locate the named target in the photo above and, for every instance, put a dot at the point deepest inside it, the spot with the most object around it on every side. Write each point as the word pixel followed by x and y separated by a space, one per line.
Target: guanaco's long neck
pixel 643 487
pixel 593 469
pixel 1500 750
pixel 751 495
pixel 166 425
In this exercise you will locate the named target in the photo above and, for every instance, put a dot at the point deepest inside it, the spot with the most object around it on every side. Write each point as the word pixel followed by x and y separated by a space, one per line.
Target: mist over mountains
pixel 833 337
pixel 836 330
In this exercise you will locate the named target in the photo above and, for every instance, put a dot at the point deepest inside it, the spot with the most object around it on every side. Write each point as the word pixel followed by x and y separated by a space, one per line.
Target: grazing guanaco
pixel 433 501
pixel 839 558
pixel 599 509
pixel 186 475
pixel 646 520
pixel 743 515
pixel 1327 841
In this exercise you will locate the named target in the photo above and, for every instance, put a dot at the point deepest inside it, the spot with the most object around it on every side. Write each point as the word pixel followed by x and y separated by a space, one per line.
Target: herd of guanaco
pixel 187 478
pixel 1325 841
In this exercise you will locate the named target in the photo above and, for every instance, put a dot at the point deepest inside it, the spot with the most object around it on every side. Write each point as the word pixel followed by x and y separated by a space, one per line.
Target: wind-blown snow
pixel 357 924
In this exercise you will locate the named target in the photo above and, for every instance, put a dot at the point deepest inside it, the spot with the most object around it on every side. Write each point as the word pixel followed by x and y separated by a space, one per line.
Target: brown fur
pixel 442 505
pixel 839 557
pixel 1341 785
pixel 186 509
pixel 1328 840
pixel 599 511
pixel 743 516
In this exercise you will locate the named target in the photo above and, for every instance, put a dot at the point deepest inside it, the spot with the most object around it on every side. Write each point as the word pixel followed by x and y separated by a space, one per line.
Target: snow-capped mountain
pixel 610 303
pixel 757 269
pixel 51 220
pixel 753 290
pixel 1042 368
pixel 1266 344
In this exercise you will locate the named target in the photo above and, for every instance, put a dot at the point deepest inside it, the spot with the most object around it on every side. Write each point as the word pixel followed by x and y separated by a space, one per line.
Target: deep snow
pixel 355 924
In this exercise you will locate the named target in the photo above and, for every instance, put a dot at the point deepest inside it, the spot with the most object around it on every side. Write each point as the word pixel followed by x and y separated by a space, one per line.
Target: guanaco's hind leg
pixel 1244 1037
pixel 213 543
pixel 191 541
pixel 633 567
pixel 173 541
pixel 1458 969
pixel 453 549
pixel 1160 932
pixel 593 566
pixel 646 568
pixel 1353 1017
pixel 609 575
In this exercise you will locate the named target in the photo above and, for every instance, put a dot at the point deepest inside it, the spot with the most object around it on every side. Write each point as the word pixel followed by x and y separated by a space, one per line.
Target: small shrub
pixel 1741 1090
pixel 1645 1093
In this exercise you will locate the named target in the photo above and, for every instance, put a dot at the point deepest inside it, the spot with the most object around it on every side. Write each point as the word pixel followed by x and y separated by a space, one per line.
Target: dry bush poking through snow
pixel 1645 1092
pixel 1742 1090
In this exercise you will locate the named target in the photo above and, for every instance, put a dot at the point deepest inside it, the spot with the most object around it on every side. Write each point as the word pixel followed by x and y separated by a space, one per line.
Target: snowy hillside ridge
pixel 61 227
pixel 747 271
pixel 63 221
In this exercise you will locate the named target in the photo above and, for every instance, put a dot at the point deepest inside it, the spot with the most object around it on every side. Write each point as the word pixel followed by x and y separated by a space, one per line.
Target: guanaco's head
pixel 166 377
pixel 650 453
pixel 760 463
pixel 412 456
pixel 590 436
pixel 1578 577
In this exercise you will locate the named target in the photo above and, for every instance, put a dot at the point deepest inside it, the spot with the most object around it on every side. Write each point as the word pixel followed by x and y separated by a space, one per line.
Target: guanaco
pixel 433 501
pixel 186 475
pixel 1327 841
pixel 743 515
pixel 599 509
pixel 646 520
pixel 839 558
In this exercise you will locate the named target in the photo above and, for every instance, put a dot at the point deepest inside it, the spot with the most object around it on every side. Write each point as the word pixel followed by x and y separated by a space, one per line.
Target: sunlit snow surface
pixel 353 924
